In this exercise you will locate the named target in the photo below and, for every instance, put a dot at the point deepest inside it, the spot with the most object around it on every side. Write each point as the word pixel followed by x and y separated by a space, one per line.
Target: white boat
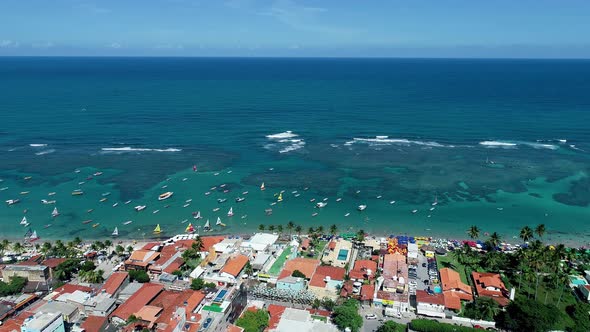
pixel 165 195
pixel 297 195
pixel 55 213
pixel 108 193
pixel 362 207
pixel 392 202
pixel 24 221
pixel 314 214
pixel 338 199
pixel 127 222
pixel 321 204
pixel 207 226
pixel 139 208
pixel 188 200
pixel 325 199
pixel 216 174
pixel 164 186
pixel 222 185
pixel 432 208
pixel 348 214
pixel 273 203
pixel 230 213
pixel 115 232
pixel 219 223
pixel 312 200
pixel 184 179
pixel 184 221
pixel 414 211
pixel 221 200
pixel 44 201
pixel 156 211
pixel 129 201
pixel 198 215
pixel 245 193
pixel 3 188
pixel 435 201
pixel 51 193
pixel 212 188
pixel 186 205
pixel 115 205
pixel 500 209
pixel 215 209
pixel 244 216
pixel 240 199
pixel 379 197
pixel 208 193
pixel 12 201
pixel 98 174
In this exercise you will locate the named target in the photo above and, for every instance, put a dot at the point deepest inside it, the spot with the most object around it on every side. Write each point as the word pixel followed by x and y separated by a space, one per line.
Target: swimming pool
pixel 342 254
pixel 220 296
pixel 578 280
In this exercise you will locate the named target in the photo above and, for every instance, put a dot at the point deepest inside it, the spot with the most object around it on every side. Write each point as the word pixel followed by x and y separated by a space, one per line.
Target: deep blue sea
pixel 495 143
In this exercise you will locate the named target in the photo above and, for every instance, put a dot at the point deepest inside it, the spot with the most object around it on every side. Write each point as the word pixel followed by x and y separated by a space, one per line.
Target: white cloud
pixel 114 45
pixel 7 43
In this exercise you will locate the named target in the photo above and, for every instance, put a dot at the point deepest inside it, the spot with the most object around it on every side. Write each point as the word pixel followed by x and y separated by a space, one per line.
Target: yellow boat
pixel 95 225
pixel 77 192
pixel 165 195
pixel 157 230
pixel 103 199
pixel 24 192
pixel 280 198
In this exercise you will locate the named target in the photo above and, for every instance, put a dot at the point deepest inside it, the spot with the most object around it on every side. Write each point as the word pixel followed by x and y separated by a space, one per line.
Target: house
pixel 307 266
pixel 135 302
pixel 261 261
pixel 491 285
pixel 338 253
pixel 367 294
pixel 395 273
pixel 33 273
pixel 234 266
pixel 115 283
pixel 260 242
pixel 297 320
pixel 52 264
pixel 430 304
pixel 363 269
pixel 141 259
pixel 327 281
pixel 94 324
pixel 286 281
pixel 41 322
pixel 454 290
pixel 304 244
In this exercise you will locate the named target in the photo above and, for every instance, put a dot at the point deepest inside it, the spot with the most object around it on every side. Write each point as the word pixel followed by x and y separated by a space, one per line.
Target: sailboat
pixel 28 233
pixel 230 213
pixel 55 213
pixel 198 215
pixel 219 223
pixel 262 186
pixel 157 230
pixel 115 232
pixel 24 221
pixel 207 226
pixel 33 237
pixel 280 198
pixel 435 201
pixel 190 229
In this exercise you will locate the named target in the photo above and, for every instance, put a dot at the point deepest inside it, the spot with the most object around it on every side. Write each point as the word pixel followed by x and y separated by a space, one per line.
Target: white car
pixel 370 316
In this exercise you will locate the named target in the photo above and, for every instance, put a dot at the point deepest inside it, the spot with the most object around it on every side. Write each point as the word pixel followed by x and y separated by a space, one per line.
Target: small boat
pixel 115 205
pixel 338 199
pixel 77 171
pixel 325 199
pixel 184 179
pixel 184 221
pixel 273 203
pixel 165 186
pixel 81 183
pixel 500 209
pixel 34 237
pixel 98 174
pixel 216 174
pixel 362 207
pixel 208 193
pixel 139 208
pixel 95 225
pixel 77 192
pixel 229 172
pixel 190 229
pixel 244 216
pixel 222 186
pixel 129 201
pixel 312 200
pixel 221 200
pixel 414 211
pixel 44 201
pixel 51 193
pixel 268 212
pixel 219 223
pixel 165 195
pixel 104 199
pixel 226 191
pixel 3 188
pixel 428 216
pixel 55 213
pixel 127 222
pixel 306 188
pixel 215 209
pixel 186 205
pixel 297 195
pixel 24 221
pixel 392 202
pixel 358 192
pixel 87 221
pixel 212 188
pixel 194 168
pixel 207 226
pixel 280 198
pixel 167 206
pixel 294 192
pixel 271 169
pixel 321 204
pixel 198 215
pixel 262 187
pixel 245 193
pixel 89 210
pixel 156 211
pixel 435 201
pixel 379 197
pixel 432 208
pixel 157 230
pixel 188 200
pixel 89 178
pixel 230 213
pixel 115 232
pixel 28 177
pixel 314 214
pixel 24 192
pixel 348 214
pixel 240 199
pixel 12 201
pixel 48 225
pixel 108 193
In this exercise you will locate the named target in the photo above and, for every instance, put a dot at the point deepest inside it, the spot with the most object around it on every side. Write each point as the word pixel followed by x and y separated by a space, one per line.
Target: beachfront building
pixel 44 322
pixel 141 259
pixel 260 242
pixel 338 252
pixel 392 288
pixel 454 290
pixel 307 266
pixel 491 285
pixel 33 273
pixel 430 304
pixel 227 246
pixel 326 282
pixel 261 261
pixel 363 270
pixel 297 320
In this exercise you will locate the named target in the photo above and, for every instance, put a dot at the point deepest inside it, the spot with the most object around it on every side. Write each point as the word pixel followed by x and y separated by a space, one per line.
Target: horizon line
pixel 290 57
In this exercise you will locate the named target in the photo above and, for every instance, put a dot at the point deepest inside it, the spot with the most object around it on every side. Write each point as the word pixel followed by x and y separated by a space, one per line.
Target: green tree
pixel 540 230
pixel 108 244
pixel 473 232
pixel 483 308
pixel 248 269
pixel 18 248
pixel 495 240
pixel 197 284
pixel 93 277
pixel 119 250
pixel 391 326
pixel 529 315
pixel 360 236
pixel 198 244
pixel 261 227
pixel 328 304
pixel 310 230
pixel 15 286
pixel 129 249
pixel 139 275
pixel 77 241
pixel 253 321
pixel 347 316
pixel 4 245
pixel 578 312
pixel 316 304
pixel 320 230
pixel 87 266
pixel 298 229
pixel 298 274
pixel 177 273
pixel 66 269
pixel 271 228
pixel 290 227
pixel 333 229
pixel 526 233
pixel 280 229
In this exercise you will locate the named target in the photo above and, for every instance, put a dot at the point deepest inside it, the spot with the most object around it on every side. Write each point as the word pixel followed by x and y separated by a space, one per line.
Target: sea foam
pixel 40 153
pixel 285 142
pixel 386 140
pixel 37 145
pixel 130 149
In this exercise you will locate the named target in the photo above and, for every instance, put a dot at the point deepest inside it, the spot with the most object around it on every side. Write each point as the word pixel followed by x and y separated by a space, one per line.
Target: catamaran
pixel 230 213
pixel 262 186
pixel 190 229
pixel 55 213
pixel 34 237
pixel 219 223
pixel 165 195
pixel 115 232
pixel 207 226
pixel 24 221
pixel 198 215
pixel 362 207
pixel 157 230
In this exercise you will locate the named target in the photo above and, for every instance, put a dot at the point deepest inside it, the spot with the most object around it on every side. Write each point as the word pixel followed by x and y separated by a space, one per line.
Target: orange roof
pixel 69 289
pixel 114 282
pixel 367 292
pixel 143 296
pixel 452 300
pixel 209 241
pixel 94 323
pixel 360 269
pixel 53 262
pixel 332 245
pixel 175 265
pixel 233 328
pixel 149 313
pixel 321 272
pixel 452 281
pixel 423 297
pixel 483 280
pixel 150 245
pixel 170 301
pixel 193 302
pixel 305 244
pixel 235 265
pixel 144 255
pixel 275 311
pixel 306 266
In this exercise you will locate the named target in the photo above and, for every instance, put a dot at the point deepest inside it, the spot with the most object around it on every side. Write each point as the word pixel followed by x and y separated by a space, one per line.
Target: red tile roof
pixel 69 289
pixel 423 297
pixel 306 266
pixel 235 265
pixel 53 262
pixel 321 272
pixel 233 328
pixel 332 245
pixel 34 260
pixel 175 265
pixel 170 301
pixel 193 302
pixel 451 280
pixel 143 296
pixel 275 311
pixel 209 241
pixel 360 269
pixel 305 244
pixel 452 300
pixel 484 280
pixel 150 245
pixel 319 312
pixel 367 292
pixel 94 323
pixel 114 282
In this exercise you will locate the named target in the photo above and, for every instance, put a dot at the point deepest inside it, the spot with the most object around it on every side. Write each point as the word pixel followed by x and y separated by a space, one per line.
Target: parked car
pixel 370 316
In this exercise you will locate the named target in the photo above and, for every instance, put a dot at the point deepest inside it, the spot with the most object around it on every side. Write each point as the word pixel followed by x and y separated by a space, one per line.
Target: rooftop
pixel 491 285
pixel 307 266
pixel 142 297
pixel 93 323
pixel 114 282
pixel 451 280
pixel 235 265
pixel 40 320
pixel 423 297
pixel 319 278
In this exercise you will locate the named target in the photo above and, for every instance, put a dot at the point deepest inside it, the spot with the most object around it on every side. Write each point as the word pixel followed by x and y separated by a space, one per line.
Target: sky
pixel 298 28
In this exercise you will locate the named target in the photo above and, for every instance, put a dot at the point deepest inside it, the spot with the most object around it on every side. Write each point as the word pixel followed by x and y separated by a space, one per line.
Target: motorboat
pixel 129 201
pixel 24 192
pixel 98 174
pixel 240 199
pixel 116 204
pixel 104 199
pixel 12 201
pixel 222 185
pixel 362 207
pixel 432 208
pixel 348 214
pixel 185 205
pixel 89 210
pixel 51 193
pixel 297 194
pixel 184 179
pixel 165 195
pixel 221 200
pixel 215 209
pixel 392 202
pixel 338 199
pixel 87 221
pixel 245 193
pixel 48 225
pixel 108 193
pixel 208 193
pixel 312 200
pixel 414 211
pixel 156 211
pixel 139 208
pixel 321 204
pixel 96 225
pixel 127 222
pixel 188 200
pixel 314 214
pixel 44 201
pixel 212 188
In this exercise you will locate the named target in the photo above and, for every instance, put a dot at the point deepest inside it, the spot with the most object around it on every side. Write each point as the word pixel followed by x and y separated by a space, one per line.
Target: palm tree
pixel 298 229
pixel 310 230
pixel 333 229
pixel 473 232
pixel 46 248
pixel 540 230
pixel 119 250
pixel 360 235
pixel 280 229
pixel 2 249
pixel 77 241
pixel 93 276
pixel 495 239
pixel 290 226
pixel 198 244
pixel 18 248
pixel 271 228
pixel 526 233
pixel 129 249
pixel 108 243
pixel 261 227
pixel 320 230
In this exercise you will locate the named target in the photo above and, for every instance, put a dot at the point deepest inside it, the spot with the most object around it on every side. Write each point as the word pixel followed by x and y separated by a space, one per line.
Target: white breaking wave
pixel 497 144
pixel 130 149
pixel 385 140
pixel 37 145
pixel 285 142
pixel 45 152
pixel 515 144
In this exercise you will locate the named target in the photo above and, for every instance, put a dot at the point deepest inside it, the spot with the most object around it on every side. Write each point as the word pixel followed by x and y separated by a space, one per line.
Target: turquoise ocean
pixel 495 143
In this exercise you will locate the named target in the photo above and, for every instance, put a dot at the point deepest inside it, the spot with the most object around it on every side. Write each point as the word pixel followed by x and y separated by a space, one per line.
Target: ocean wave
pixel 37 145
pixel 385 140
pixel 497 144
pixel 130 149
pixel 515 144
pixel 285 142
pixel 40 153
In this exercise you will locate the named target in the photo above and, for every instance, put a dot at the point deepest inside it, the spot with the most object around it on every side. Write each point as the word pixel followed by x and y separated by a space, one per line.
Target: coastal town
pixel 284 280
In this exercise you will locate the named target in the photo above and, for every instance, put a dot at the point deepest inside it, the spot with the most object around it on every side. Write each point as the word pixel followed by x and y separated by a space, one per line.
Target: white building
pixel 296 320
pixel 44 322
pixel 260 242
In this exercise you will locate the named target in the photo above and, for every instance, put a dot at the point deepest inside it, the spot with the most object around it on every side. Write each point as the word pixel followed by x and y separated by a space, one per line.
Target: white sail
pixel 34 236
pixel 55 213
pixel 24 221
pixel 198 216
pixel 218 221
pixel 116 232
pixel 207 226
pixel 230 212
